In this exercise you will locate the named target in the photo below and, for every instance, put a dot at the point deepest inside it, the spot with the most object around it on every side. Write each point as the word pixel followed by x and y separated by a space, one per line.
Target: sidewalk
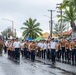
pixel 61 66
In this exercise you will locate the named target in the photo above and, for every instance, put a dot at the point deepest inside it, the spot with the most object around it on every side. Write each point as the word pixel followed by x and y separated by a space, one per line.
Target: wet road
pixel 26 67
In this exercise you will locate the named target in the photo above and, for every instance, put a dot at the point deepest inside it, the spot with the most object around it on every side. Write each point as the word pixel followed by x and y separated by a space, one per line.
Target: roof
pixel 45 35
pixel 67 33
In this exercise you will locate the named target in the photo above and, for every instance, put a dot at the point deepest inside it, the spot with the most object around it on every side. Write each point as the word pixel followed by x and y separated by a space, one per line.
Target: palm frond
pixel 31 28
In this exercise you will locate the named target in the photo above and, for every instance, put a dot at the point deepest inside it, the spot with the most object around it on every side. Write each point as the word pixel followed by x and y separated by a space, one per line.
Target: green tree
pixel 31 28
pixel 67 3
pixel 57 29
pixel 69 15
pixel 7 31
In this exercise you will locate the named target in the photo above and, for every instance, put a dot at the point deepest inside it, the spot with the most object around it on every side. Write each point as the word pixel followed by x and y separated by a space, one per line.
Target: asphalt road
pixel 26 67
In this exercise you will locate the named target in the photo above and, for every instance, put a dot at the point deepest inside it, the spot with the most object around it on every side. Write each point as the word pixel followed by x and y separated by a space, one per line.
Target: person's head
pixel 30 41
pixel 73 40
pixel 42 41
pixel 16 39
pixel 52 39
pixel 45 41
pixel 22 41
pixel 26 40
pixel 33 42
pixel 63 39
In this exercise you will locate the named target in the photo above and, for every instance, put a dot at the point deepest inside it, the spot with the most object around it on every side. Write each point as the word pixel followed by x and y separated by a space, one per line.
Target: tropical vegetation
pixel 31 29
pixel 57 29
pixel 69 15
pixel 7 32
pixel 67 3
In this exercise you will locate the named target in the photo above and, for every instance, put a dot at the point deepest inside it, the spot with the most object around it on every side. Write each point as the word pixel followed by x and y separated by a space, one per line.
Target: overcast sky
pixel 20 10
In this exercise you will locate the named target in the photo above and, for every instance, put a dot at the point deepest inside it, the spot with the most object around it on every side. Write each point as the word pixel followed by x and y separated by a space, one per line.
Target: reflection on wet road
pixel 26 67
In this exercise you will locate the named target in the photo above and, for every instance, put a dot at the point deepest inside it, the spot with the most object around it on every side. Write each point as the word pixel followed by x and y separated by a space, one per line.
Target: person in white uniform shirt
pixel 53 50
pixel 17 49
pixel 5 47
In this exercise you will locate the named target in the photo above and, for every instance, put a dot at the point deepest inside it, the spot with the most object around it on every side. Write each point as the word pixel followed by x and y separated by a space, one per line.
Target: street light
pixel 12 26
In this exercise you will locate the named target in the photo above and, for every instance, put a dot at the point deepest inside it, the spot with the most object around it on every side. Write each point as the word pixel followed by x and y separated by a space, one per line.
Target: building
pixel 46 35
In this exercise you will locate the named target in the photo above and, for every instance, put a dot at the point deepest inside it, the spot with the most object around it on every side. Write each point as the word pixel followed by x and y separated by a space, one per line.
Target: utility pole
pixel 51 21
pixel 61 17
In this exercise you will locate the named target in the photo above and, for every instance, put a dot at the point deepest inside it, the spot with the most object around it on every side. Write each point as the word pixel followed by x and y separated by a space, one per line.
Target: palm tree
pixel 31 29
pixel 57 29
pixel 69 15
pixel 67 3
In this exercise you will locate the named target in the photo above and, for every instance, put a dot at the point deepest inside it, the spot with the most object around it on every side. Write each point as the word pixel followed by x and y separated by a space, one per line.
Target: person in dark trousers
pixel 75 52
pixel 63 48
pixel 26 49
pixel 22 48
pixel 48 50
pixel 72 46
pixel 33 48
pixel 45 48
pixel 17 49
pixel 67 51
pixel 42 49
pixel 39 47
pixel 53 50
pixel 58 54
pixel 5 47
pixel 9 49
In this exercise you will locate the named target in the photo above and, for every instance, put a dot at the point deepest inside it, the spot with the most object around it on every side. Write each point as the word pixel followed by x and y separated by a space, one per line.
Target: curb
pixel 74 73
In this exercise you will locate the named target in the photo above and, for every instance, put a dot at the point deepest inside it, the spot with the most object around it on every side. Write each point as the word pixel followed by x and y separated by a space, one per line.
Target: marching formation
pixel 63 50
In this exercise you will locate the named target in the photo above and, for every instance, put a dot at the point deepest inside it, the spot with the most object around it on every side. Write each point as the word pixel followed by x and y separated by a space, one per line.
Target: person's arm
pixel 14 45
pixel 70 47
pixel 60 47
pixel 21 46
pixel 29 47
pixel 65 46
pixel 56 47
